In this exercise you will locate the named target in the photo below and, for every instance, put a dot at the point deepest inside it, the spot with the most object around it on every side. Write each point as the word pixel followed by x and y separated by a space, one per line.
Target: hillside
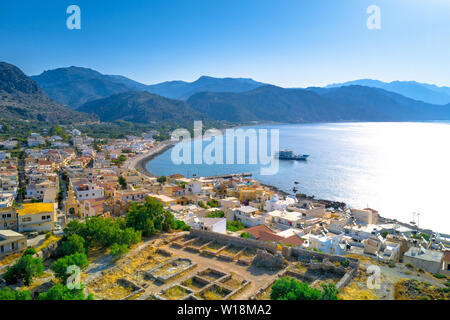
pixel 372 104
pixel 268 103
pixel 411 89
pixel 75 86
pixel 22 99
pixel 352 103
pixel 183 90
pixel 141 107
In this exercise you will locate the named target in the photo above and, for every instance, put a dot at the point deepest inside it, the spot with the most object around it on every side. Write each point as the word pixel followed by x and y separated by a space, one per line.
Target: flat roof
pixel 429 255
pixel 34 208
pixel 10 233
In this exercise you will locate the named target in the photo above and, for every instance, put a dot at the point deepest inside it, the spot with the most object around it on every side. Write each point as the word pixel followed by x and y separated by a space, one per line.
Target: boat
pixel 290 155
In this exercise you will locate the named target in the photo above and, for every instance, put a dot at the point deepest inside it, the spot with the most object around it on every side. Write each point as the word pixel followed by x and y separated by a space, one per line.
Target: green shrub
pixel 9 294
pixel 291 289
pixel 216 214
pixel 118 250
pixel 235 226
pixel 345 263
pixel 245 235
pixel 61 265
pixel 61 292
pixel 29 252
pixel 25 269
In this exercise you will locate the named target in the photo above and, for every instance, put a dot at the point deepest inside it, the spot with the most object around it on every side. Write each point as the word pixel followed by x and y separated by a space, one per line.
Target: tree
pixel 25 269
pixel 216 214
pixel 149 217
pixel 162 179
pixel 330 292
pixel 245 235
pixel 213 203
pixel 118 250
pixel 29 252
pixel 181 225
pixel 58 131
pixel 9 294
pixel 291 289
pixel 235 226
pixel 73 244
pixel 201 204
pixel 62 264
pixel 122 182
pixel 104 232
pixel 61 292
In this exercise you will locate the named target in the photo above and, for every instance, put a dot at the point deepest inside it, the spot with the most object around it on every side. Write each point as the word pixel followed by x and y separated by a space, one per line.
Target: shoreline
pixel 140 162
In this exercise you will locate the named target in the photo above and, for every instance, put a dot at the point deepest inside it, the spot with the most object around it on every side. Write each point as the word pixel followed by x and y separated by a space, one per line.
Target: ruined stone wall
pixel 303 254
pixel 239 242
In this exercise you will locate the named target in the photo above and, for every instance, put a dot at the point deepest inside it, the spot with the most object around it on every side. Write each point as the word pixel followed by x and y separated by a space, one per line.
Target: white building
pixel 35 140
pixel 249 216
pixel 276 204
pixel 88 191
pixel 218 225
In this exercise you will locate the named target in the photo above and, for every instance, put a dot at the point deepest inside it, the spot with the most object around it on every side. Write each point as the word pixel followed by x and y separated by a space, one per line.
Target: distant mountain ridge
pixel 22 99
pixel 269 104
pixel 75 86
pixel 141 107
pixel 349 103
pixel 411 89
pixel 183 90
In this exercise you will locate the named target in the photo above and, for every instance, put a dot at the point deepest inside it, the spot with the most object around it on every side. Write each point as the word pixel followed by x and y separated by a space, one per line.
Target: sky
pixel 290 43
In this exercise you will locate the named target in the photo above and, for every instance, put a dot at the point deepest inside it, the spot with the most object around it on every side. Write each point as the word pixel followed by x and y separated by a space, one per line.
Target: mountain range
pixel 415 90
pixel 74 86
pixel 111 97
pixel 22 99
pixel 141 107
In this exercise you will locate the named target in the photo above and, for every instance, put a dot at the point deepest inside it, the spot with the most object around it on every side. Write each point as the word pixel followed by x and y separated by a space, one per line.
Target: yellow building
pixel 37 217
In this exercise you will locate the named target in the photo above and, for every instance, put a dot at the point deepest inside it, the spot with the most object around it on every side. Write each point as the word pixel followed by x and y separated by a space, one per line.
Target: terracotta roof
pixel 257 230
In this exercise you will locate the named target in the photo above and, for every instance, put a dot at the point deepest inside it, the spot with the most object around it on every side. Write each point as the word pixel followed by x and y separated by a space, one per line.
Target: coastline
pixel 140 162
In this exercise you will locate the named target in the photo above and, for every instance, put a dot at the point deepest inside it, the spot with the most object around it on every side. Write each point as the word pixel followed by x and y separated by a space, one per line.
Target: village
pixel 234 237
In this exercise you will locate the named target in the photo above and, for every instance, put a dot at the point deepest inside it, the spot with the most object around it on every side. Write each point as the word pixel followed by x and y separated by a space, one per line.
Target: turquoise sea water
pixel 396 168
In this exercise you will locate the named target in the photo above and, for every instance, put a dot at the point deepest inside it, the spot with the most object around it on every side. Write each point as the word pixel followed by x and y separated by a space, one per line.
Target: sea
pixel 401 169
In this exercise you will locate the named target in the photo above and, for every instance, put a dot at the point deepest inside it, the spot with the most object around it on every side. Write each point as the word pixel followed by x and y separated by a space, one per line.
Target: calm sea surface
pixel 396 168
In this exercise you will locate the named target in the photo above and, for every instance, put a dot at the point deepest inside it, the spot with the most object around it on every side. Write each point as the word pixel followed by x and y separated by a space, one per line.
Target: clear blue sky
pixel 291 43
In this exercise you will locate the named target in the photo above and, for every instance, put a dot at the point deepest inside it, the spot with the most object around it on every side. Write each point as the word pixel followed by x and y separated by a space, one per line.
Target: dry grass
pixel 234 282
pixel 363 259
pixel 408 289
pixel 231 251
pixel 214 293
pixel 48 241
pixel 10 259
pixel 175 293
pixel 355 291
pixel 108 288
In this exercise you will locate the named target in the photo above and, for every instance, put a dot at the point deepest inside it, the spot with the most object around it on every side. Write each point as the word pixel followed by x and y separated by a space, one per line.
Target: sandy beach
pixel 141 160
